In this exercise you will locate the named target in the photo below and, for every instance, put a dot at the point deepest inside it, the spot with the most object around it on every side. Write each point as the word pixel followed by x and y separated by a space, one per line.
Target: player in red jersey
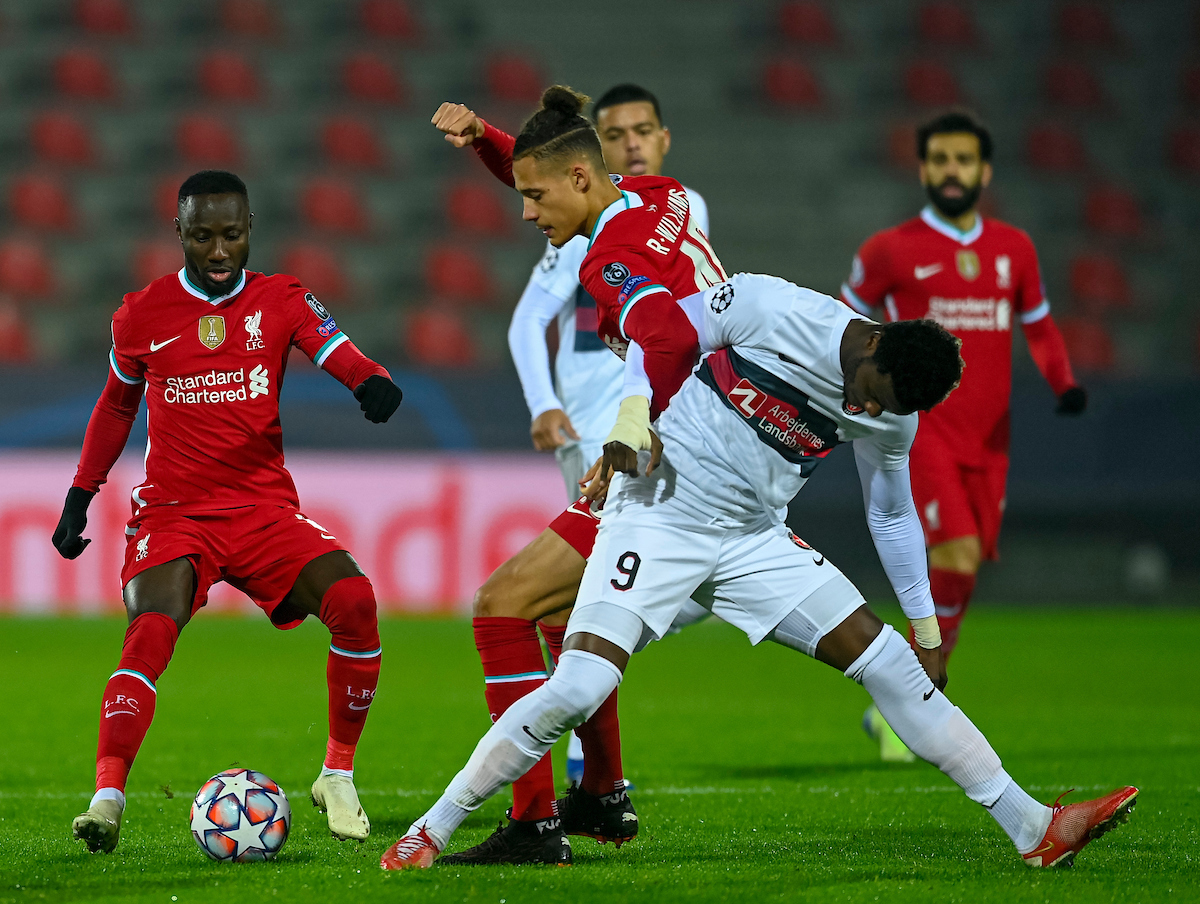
pixel 977 277
pixel 646 250
pixel 208 346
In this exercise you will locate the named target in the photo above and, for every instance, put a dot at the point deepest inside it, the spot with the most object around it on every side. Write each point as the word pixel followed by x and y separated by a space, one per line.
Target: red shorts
pixel 578 526
pixel 957 499
pixel 259 549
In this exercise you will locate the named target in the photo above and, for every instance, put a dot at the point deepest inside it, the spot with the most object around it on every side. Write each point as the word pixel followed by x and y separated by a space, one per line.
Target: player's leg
pixel 333 588
pixel 553 628
pixel 159 602
pixel 953 565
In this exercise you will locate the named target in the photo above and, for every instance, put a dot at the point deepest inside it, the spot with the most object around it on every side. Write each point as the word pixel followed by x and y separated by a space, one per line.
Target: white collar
pixel 627 200
pixel 211 299
pixel 936 223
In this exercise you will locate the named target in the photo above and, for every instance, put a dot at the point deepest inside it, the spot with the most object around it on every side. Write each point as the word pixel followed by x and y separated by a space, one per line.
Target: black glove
pixel 1072 402
pixel 67 539
pixel 379 398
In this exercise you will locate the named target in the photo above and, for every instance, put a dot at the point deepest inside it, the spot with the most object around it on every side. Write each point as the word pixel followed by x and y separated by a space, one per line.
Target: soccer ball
pixel 240 815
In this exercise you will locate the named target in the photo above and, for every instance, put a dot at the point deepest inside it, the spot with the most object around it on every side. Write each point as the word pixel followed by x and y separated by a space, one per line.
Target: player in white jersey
pixel 789 375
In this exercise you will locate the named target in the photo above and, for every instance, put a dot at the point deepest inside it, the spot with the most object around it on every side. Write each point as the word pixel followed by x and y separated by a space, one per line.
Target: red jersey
pixel 975 284
pixel 645 251
pixel 211 369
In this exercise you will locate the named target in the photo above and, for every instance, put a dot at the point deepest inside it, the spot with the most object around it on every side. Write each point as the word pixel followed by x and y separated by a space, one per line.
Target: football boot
pixel 337 797
pixel 533 841
pixel 100 827
pixel 1072 826
pixel 413 851
pixel 608 817
pixel 891 748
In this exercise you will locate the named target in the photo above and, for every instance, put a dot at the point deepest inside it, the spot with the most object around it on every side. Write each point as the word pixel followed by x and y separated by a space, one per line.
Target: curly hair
pixel 559 129
pixel 923 360
pixel 212 182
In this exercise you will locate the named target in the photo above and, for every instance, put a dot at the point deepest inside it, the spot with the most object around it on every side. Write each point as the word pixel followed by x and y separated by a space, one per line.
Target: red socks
pixel 130 695
pixel 600 735
pixel 512 667
pixel 352 671
pixel 951 593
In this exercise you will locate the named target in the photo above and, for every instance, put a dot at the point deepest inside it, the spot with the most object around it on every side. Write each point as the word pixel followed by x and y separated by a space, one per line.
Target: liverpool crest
pixel 968 265
pixel 212 330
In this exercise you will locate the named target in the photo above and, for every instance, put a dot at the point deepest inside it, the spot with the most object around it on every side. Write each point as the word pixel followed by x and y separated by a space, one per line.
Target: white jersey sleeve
pixel 527 343
pixel 699 208
pixel 740 311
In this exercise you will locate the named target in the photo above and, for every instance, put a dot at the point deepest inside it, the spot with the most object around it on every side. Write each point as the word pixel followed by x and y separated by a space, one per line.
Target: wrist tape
pixel 927 632
pixel 632 428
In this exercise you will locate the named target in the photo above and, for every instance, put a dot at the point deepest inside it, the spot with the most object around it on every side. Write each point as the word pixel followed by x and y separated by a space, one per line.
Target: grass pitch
pixel 754 780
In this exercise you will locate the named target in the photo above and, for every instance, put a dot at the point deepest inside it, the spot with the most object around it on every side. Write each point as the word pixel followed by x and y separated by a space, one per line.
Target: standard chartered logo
pixel 258 382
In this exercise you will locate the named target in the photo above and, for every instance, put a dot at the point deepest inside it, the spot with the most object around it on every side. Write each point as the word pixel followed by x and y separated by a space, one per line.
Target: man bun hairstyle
pixel 627 93
pixel 923 360
pixel 951 122
pixel 212 182
pixel 559 129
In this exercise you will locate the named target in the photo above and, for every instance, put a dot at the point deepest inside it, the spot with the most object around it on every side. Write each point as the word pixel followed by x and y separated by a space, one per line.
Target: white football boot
pixel 337 797
pixel 100 827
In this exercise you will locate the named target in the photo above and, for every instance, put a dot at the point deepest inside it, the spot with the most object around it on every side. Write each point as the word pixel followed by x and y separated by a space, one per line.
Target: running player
pixel 791 375
pixel 207 346
pixel 645 248
pixel 573 409
pixel 976 277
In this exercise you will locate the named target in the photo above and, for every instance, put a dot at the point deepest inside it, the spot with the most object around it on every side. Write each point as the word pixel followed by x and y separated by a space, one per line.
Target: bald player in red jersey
pixel 646 250
pixel 207 347
pixel 977 277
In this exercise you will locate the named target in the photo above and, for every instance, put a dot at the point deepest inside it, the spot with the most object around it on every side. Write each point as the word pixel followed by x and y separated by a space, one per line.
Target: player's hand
pixel 591 485
pixel 934 664
pixel 67 539
pixel 459 122
pixel 618 457
pixel 1072 402
pixel 378 397
pixel 551 429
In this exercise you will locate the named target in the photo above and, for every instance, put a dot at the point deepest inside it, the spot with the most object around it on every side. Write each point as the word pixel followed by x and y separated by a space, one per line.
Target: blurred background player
pixel 975 276
pixel 207 346
pixel 573 408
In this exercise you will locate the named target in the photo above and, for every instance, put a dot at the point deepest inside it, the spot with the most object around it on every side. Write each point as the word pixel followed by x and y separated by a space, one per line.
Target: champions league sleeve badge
pixel 615 273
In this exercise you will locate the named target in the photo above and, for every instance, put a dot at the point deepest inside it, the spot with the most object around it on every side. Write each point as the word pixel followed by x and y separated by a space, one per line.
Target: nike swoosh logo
pixel 930 694
pixel 155 346
pixel 1046 845
pixel 525 728
pixel 120 712
pixel 360 708
pixel 820 561
pixel 926 272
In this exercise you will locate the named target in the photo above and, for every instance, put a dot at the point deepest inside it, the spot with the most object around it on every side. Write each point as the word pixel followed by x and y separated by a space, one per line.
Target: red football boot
pixel 1074 825
pixel 411 852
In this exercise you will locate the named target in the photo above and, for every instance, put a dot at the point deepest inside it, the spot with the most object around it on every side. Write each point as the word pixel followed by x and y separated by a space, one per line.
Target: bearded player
pixel 207 346
pixel 645 248
pixel 573 408
pixel 975 276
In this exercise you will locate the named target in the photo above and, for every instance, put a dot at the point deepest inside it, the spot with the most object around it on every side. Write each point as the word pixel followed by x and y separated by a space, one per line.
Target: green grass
pixel 754 780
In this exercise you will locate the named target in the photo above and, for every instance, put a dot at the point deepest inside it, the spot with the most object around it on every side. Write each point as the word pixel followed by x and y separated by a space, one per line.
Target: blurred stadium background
pixel 793 119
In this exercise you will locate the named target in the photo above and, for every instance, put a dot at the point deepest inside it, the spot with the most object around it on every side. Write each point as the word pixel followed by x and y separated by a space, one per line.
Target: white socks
pixel 344 773
pixel 521 737
pixel 937 731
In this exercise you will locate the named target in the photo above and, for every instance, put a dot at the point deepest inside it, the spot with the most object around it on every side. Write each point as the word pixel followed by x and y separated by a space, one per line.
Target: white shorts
pixel 650 558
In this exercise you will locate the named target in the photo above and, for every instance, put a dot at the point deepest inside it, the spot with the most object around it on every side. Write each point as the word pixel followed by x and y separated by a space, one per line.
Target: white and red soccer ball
pixel 240 815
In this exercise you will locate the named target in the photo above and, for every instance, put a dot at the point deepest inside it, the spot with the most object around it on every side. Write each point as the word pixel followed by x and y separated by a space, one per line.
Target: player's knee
pixel 499 597
pixel 349 610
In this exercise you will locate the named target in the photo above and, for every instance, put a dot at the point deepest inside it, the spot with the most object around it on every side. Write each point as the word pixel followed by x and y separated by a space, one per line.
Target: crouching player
pixel 208 346
pixel 790 374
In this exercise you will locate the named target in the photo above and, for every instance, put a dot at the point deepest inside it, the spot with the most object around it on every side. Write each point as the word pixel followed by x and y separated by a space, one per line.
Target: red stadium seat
pixel 928 83
pixel 25 269
pixel 369 78
pixel 475 207
pixel 154 259
pixel 392 19
pixel 1089 345
pixel 1084 24
pixel 1054 148
pixel 165 196
pixel 1074 86
pixel 458 274
pixel 207 141
pixel 104 17
pixel 1113 211
pixel 41 202
pixel 1183 149
pixel 808 23
pixel 1098 283
pixel 61 139
pixel 793 86
pixel 85 75
pixel 901 144
pixel 317 267
pixel 335 206
pixel 249 18
pixel 440 338
pixel 944 23
pixel 352 142
pixel 16 343
pixel 226 75
pixel 1189 84
pixel 512 78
